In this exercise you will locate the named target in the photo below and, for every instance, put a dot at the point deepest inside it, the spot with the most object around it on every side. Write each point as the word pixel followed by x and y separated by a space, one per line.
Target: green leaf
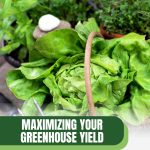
pixel 142 71
pixel 86 28
pixel 26 5
pixel 107 63
pixel 29 108
pixel 38 63
pixel 22 88
pixel 9 48
pixel 50 82
pixel 141 104
pixel 51 110
pixel 58 43
pixel 126 113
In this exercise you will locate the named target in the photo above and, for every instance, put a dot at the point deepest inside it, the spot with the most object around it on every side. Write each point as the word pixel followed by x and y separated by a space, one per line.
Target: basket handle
pixel 92 111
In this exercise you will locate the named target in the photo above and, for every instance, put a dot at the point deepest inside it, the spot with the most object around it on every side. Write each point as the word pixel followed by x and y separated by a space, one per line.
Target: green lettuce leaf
pixel 23 88
pixel 85 28
pixel 59 43
pixel 29 108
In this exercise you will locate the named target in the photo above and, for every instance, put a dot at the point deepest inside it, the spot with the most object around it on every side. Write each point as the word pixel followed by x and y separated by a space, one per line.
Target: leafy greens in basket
pixel 120 75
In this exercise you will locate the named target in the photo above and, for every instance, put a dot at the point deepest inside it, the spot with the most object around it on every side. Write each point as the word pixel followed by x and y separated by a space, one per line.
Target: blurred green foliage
pixel 70 10
pixel 18 19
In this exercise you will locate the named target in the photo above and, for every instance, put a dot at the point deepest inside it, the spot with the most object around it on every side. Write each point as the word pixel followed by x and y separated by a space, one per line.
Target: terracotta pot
pixel 108 35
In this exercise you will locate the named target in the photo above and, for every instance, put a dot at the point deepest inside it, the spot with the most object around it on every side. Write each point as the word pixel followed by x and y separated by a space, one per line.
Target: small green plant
pixel 124 16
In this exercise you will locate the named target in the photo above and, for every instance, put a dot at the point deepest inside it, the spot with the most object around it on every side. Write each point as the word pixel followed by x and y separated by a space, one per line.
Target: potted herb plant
pixel 123 16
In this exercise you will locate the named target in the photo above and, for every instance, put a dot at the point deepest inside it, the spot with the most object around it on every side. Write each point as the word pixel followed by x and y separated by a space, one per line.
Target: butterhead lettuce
pixel 120 75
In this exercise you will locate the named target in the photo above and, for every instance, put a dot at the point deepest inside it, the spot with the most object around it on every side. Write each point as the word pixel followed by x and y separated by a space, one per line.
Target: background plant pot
pixel 12 60
pixel 108 35
pixel 12 57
